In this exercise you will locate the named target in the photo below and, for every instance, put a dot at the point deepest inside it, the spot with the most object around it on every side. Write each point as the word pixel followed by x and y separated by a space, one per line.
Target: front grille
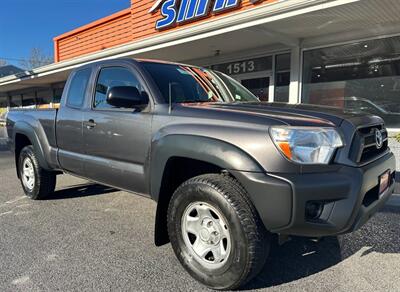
pixel 364 147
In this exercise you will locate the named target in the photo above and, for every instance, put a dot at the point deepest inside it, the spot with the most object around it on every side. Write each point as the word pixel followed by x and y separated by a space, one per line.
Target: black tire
pixel 44 181
pixel 250 241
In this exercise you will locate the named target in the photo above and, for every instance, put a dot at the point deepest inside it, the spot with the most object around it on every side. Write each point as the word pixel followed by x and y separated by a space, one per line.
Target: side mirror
pixel 126 97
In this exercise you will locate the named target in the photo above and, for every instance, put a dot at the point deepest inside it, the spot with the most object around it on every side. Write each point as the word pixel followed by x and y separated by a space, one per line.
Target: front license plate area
pixel 384 182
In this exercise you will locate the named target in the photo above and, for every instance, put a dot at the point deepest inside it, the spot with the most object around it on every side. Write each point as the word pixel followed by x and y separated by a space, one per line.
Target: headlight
pixel 307 145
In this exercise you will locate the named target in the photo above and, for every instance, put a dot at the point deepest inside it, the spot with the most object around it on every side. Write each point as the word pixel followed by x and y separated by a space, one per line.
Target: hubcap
pixel 206 234
pixel 28 174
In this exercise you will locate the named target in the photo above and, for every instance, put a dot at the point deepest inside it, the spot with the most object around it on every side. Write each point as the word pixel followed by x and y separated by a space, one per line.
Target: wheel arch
pixel 184 157
pixel 25 135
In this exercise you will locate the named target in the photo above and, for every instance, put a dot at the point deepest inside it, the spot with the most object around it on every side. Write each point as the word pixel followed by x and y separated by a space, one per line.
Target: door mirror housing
pixel 126 97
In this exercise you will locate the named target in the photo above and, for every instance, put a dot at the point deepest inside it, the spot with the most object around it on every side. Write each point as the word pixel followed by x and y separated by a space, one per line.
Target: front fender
pixel 214 151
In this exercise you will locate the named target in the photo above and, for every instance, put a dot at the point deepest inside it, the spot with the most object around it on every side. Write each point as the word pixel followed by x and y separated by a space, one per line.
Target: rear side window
pixel 77 88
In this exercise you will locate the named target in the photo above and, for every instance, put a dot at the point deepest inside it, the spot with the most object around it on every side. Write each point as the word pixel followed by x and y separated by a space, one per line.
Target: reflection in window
pixel 77 88
pixel 362 77
pixel 112 77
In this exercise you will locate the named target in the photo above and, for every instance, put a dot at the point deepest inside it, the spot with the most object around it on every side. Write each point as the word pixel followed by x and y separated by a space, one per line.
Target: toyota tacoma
pixel 226 170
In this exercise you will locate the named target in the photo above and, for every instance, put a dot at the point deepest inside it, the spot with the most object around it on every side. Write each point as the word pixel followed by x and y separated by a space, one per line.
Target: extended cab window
pixel 113 77
pixel 77 88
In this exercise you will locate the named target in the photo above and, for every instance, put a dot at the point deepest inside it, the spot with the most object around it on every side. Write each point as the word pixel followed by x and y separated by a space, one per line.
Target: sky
pixel 27 24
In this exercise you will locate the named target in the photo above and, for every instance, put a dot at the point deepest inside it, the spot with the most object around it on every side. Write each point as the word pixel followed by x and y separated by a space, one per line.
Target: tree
pixel 37 58
pixel 3 63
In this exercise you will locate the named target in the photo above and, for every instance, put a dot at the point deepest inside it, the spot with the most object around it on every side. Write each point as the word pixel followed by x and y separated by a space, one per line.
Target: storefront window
pixel 58 91
pixel 282 78
pixel 16 101
pixel 28 99
pixel 44 96
pixel 57 95
pixel 3 102
pixel 362 77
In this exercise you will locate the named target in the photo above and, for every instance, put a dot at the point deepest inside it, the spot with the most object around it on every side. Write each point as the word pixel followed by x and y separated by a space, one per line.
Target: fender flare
pixel 27 130
pixel 210 150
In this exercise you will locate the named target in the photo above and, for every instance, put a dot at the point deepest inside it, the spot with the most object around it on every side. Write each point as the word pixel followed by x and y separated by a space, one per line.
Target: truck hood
pixel 290 114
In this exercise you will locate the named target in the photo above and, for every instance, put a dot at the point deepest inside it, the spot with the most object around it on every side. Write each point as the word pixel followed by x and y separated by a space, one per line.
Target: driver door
pixel 117 140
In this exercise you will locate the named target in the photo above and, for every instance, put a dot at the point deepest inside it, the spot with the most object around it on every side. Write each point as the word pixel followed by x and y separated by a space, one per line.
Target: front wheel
pixel 37 182
pixel 216 232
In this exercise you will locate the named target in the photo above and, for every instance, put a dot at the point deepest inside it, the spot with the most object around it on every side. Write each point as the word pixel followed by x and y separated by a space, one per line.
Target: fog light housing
pixel 314 210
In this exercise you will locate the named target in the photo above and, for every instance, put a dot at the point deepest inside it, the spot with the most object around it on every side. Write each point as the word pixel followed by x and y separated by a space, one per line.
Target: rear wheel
pixel 37 182
pixel 216 232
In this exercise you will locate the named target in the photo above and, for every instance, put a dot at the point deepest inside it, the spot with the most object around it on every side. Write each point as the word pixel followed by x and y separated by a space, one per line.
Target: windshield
pixel 185 84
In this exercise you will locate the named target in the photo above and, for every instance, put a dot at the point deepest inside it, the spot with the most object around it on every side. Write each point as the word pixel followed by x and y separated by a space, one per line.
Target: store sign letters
pixel 182 11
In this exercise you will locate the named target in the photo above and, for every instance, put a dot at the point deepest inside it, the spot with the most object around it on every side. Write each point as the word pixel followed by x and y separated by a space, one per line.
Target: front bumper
pixel 350 197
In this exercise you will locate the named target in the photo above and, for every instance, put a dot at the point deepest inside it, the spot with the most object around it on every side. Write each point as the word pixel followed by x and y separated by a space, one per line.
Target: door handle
pixel 90 124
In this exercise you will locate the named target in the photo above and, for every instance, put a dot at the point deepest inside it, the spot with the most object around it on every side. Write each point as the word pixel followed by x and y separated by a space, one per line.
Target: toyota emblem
pixel 378 139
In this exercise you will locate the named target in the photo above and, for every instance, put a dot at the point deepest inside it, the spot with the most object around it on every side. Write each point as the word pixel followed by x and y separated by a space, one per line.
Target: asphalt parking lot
pixel 92 238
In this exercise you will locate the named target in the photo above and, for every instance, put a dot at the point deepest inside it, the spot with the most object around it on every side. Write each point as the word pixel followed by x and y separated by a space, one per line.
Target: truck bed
pixel 43 120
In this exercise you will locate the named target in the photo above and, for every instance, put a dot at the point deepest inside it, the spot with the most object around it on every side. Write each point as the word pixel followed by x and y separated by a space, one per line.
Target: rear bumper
pixel 350 197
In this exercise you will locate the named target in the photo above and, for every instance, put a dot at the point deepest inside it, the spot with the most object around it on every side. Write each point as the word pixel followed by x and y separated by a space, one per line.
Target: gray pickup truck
pixel 226 170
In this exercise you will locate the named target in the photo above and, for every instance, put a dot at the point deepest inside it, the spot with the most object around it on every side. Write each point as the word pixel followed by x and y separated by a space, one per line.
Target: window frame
pixel 126 110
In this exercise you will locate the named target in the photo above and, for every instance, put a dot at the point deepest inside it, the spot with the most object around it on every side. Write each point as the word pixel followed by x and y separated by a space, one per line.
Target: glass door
pixel 258 86
pixel 257 83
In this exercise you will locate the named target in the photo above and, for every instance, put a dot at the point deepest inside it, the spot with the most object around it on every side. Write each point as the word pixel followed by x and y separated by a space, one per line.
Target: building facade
pixel 343 53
